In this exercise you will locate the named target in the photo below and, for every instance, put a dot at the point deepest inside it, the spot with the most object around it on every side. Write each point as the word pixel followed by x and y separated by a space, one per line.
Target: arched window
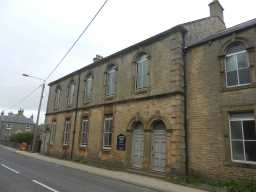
pixel 142 71
pixel 57 98
pixel 111 80
pixel 88 88
pixel 70 93
pixel 237 66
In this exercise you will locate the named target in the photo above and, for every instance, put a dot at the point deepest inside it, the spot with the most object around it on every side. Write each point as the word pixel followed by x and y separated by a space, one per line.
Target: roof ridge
pixel 227 31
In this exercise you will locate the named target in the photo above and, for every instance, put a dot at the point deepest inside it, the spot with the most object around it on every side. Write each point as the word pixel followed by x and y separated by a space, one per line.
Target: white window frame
pixel 237 69
pixel 67 130
pixel 250 117
pixel 109 145
pixel 57 98
pixel 111 81
pixel 28 127
pixel 8 126
pixel 53 132
pixel 142 61
pixel 71 93
pixel 88 89
pixel 84 133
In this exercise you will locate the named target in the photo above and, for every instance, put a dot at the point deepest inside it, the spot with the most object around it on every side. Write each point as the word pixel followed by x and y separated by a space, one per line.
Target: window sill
pixel 110 97
pixel 240 164
pixel 240 87
pixel 82 147
pixel 65 146
pixel 141 91
pixel 87 101
pixel 106 149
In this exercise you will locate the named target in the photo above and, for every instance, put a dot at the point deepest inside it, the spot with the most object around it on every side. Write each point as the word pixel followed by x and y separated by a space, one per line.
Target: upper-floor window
pixel 8 126
pixel 70 93
pixel 88 88
pixel 107 132
pixel 84 133
pixel 111 80
pixel 67 130
pixel 243 137
pixel 27 128
pixel 237 66
pixel 53 132
pixel 57 98
pixel 142 71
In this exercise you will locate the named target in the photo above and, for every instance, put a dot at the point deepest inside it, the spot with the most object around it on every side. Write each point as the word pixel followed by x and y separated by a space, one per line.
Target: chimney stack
pixel 20 112
pixel 97 58
pixel 216 10
pixel 2 113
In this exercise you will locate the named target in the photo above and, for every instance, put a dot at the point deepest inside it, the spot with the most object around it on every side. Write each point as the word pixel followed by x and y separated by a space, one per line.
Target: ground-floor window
pixel 53 132
pixel 84 133
pixel 107 132
pixel 67 129
pixel 243 137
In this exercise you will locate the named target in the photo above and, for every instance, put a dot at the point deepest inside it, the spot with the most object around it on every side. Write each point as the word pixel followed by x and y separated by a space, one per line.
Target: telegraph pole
pixel 35 131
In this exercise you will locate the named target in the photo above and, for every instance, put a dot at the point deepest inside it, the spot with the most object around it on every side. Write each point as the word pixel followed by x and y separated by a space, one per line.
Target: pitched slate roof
pixel 15 118
pixel 226 32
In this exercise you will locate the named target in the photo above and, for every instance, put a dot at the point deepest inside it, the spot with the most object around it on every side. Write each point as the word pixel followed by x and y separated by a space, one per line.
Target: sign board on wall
pixel 121 141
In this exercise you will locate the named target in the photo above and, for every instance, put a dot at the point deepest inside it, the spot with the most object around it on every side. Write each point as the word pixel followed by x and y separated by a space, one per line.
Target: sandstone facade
pixel 177 124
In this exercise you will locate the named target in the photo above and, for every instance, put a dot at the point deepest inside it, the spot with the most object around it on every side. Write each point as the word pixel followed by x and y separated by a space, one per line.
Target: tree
pixel 22 137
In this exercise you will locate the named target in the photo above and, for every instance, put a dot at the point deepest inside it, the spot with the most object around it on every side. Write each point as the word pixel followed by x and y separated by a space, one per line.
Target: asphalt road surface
pixel 20 173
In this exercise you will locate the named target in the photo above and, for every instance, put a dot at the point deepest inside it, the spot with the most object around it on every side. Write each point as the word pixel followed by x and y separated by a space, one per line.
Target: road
pixel 20 173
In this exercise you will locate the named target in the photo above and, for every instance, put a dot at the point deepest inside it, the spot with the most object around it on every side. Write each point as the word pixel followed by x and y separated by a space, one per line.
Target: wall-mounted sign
pixel 121 140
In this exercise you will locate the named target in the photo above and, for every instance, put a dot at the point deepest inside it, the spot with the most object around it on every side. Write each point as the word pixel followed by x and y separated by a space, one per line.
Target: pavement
pixel 71 176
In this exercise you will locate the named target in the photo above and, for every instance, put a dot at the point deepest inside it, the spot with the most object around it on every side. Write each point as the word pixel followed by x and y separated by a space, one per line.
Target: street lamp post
pixel 35 131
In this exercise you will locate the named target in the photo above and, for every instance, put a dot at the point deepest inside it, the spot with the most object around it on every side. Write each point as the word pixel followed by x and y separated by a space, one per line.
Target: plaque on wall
pixel 121 141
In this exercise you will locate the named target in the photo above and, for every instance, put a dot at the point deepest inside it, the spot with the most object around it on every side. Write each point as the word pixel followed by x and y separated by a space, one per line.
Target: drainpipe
pixel 76 111
pixel 185 106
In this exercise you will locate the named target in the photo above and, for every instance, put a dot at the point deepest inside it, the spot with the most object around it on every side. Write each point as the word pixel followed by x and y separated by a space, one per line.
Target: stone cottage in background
pixel 14 123
pixel 181 102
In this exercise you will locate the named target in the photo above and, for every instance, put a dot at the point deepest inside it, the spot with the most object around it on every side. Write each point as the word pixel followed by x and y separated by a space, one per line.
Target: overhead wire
pixel 77 39
pixel 25 97
pixel 64 56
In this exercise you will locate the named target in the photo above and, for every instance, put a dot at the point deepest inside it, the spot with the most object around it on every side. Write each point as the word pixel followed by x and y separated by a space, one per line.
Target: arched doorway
pixel 158 153
pixel 137 155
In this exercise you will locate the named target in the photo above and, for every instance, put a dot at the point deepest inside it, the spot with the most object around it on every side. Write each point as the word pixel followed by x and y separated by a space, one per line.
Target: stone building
pixel 221 103
pixel 156 106
pixel 14 123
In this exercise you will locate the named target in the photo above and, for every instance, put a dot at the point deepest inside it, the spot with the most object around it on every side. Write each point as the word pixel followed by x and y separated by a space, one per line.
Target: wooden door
pixel 158 159
pixel 138 147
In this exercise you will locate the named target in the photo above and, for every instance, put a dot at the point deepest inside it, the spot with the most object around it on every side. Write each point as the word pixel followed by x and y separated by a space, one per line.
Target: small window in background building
pixel 243 137
pixel 107 132
pixel 28 127
pixel 237 66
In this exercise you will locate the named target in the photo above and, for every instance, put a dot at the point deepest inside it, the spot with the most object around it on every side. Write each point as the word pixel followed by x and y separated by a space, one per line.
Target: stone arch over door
pixel 137 145
pixel 158 146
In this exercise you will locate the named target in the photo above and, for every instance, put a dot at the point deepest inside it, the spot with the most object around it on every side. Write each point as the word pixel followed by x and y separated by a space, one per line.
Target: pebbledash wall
pixel 176 123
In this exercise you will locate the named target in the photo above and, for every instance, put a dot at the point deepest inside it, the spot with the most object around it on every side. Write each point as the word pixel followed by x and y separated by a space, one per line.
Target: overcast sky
pixel 36 34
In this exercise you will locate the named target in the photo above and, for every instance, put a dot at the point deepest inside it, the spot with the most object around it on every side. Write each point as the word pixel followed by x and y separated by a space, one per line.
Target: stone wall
pixel 209 103
pixel 166 108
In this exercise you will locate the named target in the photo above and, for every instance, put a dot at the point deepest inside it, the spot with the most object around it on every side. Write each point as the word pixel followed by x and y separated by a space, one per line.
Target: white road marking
pixel 13 170
pixel 45 186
